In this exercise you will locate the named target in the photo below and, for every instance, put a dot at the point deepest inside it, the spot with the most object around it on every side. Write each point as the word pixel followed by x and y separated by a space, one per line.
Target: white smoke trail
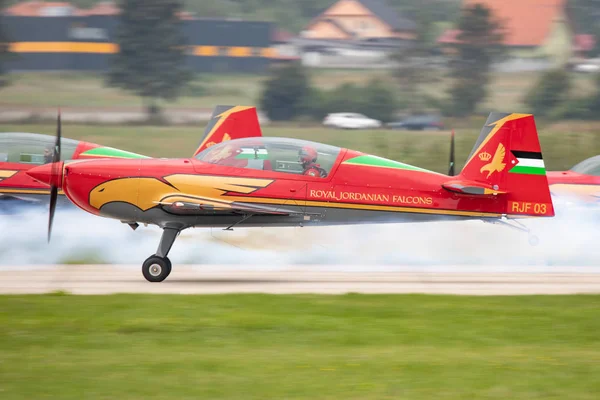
pixel 569 240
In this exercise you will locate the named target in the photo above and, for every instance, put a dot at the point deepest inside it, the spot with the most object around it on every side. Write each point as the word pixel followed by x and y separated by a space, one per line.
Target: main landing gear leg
pixel 157 267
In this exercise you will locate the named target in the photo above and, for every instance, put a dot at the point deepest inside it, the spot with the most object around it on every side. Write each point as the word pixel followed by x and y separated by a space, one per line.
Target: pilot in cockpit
pixel 308 157
pixel 48 155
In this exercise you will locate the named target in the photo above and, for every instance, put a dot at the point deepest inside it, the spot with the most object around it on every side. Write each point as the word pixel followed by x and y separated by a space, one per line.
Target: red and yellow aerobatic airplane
pixel 580 183
pixel 237 177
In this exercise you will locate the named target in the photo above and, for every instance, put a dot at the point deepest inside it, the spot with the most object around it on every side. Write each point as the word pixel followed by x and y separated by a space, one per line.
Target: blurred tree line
pixel 553 96
pixel 288 93
pixel 294 15
pixel 479 45
pixel 4 50
pixel 151 63
pixel 151 60
pixel 584 17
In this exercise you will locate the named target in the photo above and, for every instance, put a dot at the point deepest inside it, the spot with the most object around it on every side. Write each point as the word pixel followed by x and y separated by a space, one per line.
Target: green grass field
pixel 563 145
pixel 309 346
pixel 73 89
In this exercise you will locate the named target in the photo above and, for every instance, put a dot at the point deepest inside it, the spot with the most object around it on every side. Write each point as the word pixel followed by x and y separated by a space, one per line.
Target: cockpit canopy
pixel 591 166
pixel 33 148
pixel 269 153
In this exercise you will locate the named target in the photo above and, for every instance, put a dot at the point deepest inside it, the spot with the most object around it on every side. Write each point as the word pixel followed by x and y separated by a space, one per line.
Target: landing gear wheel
pixel 156 269
pixel 534 240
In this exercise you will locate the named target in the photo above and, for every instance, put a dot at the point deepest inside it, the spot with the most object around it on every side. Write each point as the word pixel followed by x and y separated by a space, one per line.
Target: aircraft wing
pixel 181 204
pixel 228 123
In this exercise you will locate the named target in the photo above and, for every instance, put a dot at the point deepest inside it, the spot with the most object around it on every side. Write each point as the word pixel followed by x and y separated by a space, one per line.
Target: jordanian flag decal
pixel 253 153
pixel 529 162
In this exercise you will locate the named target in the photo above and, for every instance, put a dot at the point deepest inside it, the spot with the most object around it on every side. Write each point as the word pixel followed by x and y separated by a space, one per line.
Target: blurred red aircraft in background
pixel 581 182
pixel 19 152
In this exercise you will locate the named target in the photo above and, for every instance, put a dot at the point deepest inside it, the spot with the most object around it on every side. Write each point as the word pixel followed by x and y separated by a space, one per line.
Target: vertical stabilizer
pixel 230 122
pixel 507 160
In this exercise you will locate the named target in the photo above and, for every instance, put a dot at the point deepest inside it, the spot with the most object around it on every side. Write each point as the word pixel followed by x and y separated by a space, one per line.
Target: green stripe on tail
pixel 517 169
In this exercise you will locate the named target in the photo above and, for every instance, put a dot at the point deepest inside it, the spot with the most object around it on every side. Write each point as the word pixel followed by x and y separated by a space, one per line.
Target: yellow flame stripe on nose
pixel 5 173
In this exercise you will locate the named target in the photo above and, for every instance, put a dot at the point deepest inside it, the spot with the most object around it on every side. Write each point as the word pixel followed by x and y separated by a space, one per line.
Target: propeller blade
pixel 55 172
pixel 451 171
pixel 53 198
pixel 57 145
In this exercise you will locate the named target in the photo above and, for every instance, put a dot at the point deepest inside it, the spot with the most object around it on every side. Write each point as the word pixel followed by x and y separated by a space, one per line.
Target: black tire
pixel 156 269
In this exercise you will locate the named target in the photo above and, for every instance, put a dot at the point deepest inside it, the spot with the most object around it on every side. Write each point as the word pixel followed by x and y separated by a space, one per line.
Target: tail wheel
pixel 156 269
pixel 534 240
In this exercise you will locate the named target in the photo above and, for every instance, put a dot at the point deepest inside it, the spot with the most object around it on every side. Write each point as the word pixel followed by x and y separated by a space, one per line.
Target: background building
pixel 537 32
pixel 354 34
pixel 359 19
pixel 59 36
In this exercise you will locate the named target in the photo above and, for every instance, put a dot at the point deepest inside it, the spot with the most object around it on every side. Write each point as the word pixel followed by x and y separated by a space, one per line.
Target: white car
pixel 586 67
pixel 350 121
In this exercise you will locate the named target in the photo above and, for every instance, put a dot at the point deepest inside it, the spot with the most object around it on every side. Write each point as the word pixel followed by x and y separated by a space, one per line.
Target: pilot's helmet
pixel 307 155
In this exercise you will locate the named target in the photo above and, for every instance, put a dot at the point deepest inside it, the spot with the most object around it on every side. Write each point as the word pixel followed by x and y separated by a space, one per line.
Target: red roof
pixel 281 36
pixel 526 22
pixel 583 42
pixel 36 8
pixel 102 8
pixel 449 36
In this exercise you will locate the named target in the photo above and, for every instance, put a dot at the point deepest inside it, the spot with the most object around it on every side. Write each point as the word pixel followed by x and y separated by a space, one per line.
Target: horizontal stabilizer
pixel 471 187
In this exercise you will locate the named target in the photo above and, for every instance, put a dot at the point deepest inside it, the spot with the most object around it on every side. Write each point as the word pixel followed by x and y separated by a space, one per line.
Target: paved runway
pixel 106 279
